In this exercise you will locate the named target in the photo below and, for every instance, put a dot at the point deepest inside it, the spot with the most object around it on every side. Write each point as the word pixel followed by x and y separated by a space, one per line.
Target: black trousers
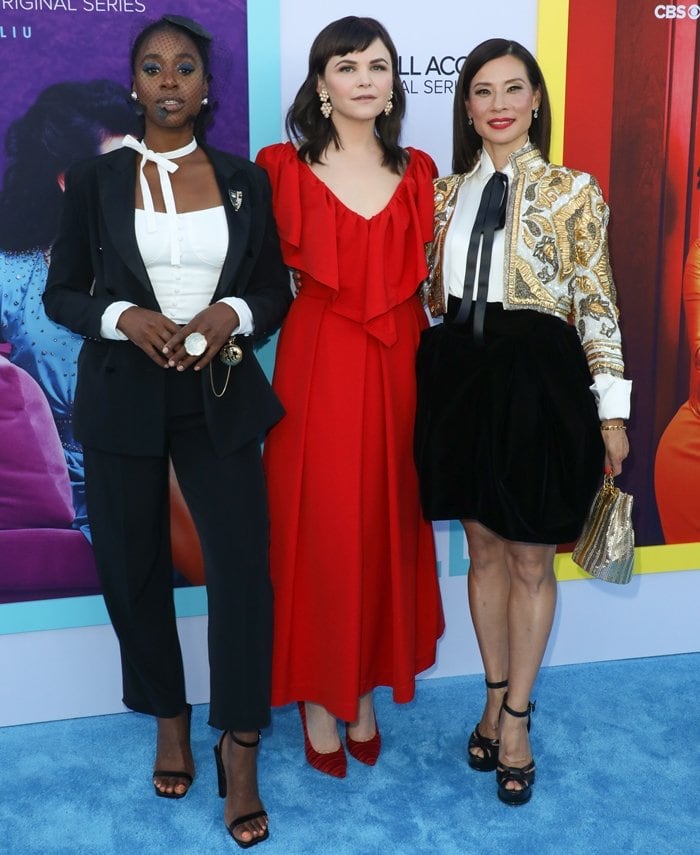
pixel 128 510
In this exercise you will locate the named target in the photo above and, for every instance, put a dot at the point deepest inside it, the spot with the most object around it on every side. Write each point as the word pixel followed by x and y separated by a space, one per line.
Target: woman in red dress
pixel 352 560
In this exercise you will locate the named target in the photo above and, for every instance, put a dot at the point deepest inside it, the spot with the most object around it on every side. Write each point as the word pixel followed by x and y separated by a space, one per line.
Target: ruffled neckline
pixel 305 166
pixel 370 264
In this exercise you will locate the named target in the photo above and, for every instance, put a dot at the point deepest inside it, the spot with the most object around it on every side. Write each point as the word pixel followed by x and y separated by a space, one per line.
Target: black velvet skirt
pixel 507 431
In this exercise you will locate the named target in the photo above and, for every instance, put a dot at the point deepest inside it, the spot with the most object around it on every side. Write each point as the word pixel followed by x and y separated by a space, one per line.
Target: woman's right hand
pixel 148 330
pixel 295 280
pixel 616 449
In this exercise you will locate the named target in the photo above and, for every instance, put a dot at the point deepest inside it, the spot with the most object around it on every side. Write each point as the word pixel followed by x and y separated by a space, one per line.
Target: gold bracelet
pixel 613 427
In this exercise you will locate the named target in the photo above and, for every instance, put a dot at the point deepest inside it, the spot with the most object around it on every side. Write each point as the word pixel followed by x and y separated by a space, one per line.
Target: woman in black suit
pixel 168 263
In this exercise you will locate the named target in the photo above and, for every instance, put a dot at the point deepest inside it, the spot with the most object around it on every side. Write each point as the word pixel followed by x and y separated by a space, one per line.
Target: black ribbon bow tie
pixel 490 217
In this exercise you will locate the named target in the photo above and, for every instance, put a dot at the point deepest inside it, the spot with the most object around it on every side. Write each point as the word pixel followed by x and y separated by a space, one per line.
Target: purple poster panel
pixel 66 82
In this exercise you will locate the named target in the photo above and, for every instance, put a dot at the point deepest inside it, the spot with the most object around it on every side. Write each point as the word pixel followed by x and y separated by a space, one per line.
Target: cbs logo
pixel 678 13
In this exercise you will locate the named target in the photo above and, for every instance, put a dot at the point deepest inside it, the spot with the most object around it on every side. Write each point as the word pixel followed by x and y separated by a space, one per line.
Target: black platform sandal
pixel 489 760
pixel 523 776
pixel 223 788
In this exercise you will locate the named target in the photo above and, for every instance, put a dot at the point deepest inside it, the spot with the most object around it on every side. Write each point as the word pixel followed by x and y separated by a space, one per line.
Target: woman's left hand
pixel 616 450
pixel 215 323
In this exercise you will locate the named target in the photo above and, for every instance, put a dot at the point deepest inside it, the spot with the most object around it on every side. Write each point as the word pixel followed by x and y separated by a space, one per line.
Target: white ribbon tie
pixel 164 161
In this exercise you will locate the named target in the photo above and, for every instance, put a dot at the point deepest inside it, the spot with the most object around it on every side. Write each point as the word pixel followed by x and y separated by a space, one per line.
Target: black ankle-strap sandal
pixel 522 776
pixel 488 761
pixel 223 788
pixel 184 777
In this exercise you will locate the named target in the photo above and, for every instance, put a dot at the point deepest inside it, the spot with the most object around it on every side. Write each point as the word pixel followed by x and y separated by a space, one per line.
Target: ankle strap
pixel 242 742
pixel 517 713
pixel 503 684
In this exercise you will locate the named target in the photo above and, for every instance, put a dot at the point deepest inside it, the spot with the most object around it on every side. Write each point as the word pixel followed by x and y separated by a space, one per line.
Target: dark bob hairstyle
pixel 305 124
pixel 466 142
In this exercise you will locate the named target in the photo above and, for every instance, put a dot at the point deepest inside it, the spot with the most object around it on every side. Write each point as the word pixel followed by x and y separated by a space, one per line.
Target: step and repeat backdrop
pixel 624 78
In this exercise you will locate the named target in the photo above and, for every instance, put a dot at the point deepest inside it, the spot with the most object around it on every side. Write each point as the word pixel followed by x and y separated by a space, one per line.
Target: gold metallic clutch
pixel 605 548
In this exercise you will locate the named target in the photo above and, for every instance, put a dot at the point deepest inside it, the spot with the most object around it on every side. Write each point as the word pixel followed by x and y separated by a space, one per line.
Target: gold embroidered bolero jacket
pixel 556 252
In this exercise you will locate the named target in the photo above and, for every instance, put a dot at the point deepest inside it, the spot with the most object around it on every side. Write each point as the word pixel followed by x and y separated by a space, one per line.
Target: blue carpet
pixel 616 746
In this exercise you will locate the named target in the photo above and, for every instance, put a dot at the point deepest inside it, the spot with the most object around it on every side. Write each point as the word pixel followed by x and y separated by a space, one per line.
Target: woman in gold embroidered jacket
pixel 522 398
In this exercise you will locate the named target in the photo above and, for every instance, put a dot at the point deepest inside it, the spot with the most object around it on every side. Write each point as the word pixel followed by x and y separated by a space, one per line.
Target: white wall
pixel 70 673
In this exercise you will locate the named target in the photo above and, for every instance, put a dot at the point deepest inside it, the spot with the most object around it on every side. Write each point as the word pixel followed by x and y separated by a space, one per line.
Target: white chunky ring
pixel 195 344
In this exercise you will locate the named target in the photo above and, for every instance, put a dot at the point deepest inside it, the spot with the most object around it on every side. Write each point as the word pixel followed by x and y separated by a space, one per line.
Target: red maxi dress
pixel 357 602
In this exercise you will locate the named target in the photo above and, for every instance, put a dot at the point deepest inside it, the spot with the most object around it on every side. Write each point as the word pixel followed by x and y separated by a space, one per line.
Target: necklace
pixel 177 152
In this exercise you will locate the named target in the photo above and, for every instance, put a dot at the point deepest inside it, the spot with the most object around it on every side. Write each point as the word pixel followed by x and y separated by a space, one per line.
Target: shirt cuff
pixel 110 318
pixel 245 316
pixel 612 395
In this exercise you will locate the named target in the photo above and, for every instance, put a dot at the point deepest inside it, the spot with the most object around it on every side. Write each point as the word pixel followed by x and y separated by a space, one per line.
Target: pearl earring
pixel 535 113
pixel 469 120
pixel 326 106
pixel 205 101
pixel 134 96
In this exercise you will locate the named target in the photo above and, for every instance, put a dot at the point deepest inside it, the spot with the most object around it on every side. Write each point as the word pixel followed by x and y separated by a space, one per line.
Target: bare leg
pixel 242 795
pixel 173 752
pixel 533 596
pixel 489 589
pixel 322 728
pixel 365 725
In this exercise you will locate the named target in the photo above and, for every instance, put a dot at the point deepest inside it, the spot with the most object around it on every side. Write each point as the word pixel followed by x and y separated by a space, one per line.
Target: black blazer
pixel 120 396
